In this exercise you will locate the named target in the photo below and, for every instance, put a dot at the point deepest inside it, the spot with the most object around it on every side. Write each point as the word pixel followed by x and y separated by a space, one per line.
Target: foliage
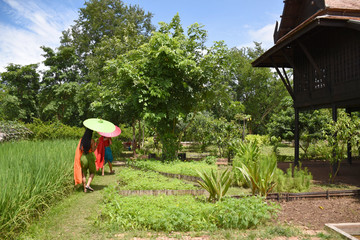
pixel 293 180
pixel 223 134
pixel 260 174
pixel 181 213
pixel 311 123
pixel 211 160
pixel 130 179
pixel 244 152
pixel 117 147
pixel 259 139
pixel 216 183
pixel 22 84
pixel 165 80
pixel 257 89
pixel 53 130
pixel 200 129
pixel 11 130
pixel 176 167
pixel 338 134
pixel 31 182
pixel 207 130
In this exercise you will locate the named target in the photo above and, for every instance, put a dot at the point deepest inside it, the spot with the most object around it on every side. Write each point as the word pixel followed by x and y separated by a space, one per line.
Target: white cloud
pixel 263 35
pixel 33 26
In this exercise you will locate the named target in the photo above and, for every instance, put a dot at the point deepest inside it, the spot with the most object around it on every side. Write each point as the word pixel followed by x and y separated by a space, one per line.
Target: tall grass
pixel 32 176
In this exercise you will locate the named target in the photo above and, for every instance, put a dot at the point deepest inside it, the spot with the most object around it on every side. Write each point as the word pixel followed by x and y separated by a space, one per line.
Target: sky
pixel 25 25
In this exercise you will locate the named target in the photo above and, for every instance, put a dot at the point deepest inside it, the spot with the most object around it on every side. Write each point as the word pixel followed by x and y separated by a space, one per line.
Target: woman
pixel 85 160
pixel 103 154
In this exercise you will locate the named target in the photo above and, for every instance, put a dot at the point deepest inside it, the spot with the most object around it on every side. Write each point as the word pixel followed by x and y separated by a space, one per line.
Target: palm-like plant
pixel 260 174
pixel 216 183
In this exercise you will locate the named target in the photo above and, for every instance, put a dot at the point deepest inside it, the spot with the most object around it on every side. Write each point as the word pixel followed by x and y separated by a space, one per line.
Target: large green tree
pixel 165 79
pixel 256 88
pixel 104 30
pixel 22 84
pixel 60 86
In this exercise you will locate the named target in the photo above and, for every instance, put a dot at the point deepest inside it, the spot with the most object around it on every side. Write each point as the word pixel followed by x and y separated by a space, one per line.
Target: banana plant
pixel 216 183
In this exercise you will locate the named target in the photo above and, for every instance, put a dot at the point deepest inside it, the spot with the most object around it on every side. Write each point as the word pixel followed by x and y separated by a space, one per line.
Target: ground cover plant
pixel 176 167
pixel 31 181
pixel 181 213
pixel 131 179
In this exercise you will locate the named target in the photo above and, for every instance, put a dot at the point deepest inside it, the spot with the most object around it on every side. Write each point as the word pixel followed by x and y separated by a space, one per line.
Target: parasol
pixel 99 125
pixel 111 134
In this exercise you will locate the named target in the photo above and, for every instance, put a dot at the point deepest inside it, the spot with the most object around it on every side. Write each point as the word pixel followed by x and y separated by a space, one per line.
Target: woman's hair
pixel 85 144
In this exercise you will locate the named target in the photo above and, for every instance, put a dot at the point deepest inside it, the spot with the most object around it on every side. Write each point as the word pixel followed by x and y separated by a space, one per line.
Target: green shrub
pixel 53 130
pixel 211 160
pixel 117 147
pixel 181 213
pixel 259 139
pixel 300 182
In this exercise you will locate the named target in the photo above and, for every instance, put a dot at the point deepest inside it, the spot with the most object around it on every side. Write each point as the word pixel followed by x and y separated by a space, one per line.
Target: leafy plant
pixel 181 213
pixel 211 160
pixel 338 134
pixel 259 174
pixel 293 180
pixel 216 183
pixel 244 152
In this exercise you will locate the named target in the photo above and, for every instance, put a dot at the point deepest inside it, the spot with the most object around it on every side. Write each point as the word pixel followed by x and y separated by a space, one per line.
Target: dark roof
pixel 296 12
pixel 335 13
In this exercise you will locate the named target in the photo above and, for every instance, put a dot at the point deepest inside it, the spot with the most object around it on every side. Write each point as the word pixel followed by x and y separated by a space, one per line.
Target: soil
pixel 314 213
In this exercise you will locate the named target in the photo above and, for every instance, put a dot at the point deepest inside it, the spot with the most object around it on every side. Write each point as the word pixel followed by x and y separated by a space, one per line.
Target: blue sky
pixel 25 25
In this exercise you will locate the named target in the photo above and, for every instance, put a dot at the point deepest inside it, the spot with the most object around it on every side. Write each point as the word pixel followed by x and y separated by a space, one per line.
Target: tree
pixel 256 88
pixel 104 29
pixel 22 84
pixel 338 134
pixel 60 86
pixel 165 80
pixel 311 123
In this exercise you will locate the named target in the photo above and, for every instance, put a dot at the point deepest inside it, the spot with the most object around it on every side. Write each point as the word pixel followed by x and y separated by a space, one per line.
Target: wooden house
pixel 320 41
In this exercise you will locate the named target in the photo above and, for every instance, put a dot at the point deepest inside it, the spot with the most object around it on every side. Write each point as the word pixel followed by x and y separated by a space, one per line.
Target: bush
pixel 259 139
pixel 211 160
pixel 300 182
pixel 53 130
pixel 117 147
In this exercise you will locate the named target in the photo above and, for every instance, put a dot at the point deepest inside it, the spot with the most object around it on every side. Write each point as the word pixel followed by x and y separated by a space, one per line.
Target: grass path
pixel 73 217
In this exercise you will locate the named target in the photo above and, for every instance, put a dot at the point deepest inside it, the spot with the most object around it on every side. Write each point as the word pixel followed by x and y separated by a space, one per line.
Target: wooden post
pixel 297 137
pixel 349 157
pixel 334 117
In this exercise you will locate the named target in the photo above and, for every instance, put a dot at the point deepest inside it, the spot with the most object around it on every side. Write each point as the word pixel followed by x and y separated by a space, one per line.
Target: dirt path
pixel 73 218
